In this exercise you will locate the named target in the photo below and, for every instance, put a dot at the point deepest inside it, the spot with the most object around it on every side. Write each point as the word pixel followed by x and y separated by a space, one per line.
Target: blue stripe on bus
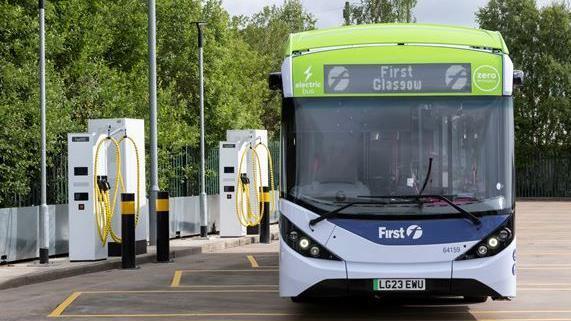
pixel 421 232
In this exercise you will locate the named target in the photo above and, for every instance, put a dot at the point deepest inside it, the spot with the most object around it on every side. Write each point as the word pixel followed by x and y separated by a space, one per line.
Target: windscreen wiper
pixel 338 210
pixel 473 218
pixel 428 172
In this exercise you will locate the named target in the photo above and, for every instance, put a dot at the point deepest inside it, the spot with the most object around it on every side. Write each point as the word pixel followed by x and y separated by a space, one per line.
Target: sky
pixel 330 12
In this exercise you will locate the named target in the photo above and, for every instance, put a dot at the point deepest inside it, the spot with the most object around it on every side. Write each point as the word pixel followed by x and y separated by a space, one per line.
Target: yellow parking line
pixel 60 308
pixel 175 282
pixel 520 254
pixel 539 239
pixel 540 319
pixel 433 307
pixel 518 311
pixel 543 284
pixel 213 271
pixel 176 315
pixel 177 291
pixel 546 265
pixel 544 289
pixel 545 268
pixel 176 279
pixel 231 286
pixel 270 314
pixel 253 262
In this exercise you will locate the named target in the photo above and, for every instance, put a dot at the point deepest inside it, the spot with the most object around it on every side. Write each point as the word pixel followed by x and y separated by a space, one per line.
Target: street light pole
pixel 153 123
pixel 203 200
pixel 44 222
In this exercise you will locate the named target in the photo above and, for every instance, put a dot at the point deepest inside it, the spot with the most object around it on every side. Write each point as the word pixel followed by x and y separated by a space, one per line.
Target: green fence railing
pixel 538 175
pixel 56 174
pixel 184 173
pixel 543 174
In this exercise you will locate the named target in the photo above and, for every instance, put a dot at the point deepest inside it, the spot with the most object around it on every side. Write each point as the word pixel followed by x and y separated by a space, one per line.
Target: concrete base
pixel 114 249
pixel 19 276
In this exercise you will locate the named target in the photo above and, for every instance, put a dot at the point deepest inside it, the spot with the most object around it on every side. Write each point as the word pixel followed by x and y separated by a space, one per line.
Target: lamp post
pixel 44 222
pixel 203 202
pixel 153 122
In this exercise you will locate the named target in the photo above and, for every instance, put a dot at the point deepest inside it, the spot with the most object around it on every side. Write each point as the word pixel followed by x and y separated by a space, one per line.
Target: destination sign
pixel 398 78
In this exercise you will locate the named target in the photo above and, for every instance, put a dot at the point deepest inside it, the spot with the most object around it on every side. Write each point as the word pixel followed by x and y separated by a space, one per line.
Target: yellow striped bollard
pixel 163 230
pixel 128 231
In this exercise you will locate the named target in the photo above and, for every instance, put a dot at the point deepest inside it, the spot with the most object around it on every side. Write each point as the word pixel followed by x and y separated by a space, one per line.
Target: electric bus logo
pixel 338 78
pixel 414 232
pixel 307 73
pixel 456 77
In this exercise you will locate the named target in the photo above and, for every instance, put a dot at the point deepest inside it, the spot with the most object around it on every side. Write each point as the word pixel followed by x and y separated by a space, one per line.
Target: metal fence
pixel 184 173
pixel 56 186
pixel 543 174
pixel 538 175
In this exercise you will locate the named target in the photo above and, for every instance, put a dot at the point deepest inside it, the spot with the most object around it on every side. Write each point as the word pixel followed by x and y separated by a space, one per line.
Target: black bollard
pixel 128 231
pixel 265 223
pixel 163 238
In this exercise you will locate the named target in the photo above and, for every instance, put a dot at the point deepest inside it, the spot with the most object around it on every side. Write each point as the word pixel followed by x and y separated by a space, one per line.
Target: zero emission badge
pixel 486 78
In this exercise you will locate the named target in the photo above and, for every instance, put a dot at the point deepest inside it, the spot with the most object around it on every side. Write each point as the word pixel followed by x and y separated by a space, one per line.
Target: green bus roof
pixel 395 33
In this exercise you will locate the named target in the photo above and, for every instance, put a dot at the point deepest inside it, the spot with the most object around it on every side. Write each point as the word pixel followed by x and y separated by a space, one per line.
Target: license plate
pixel 399 285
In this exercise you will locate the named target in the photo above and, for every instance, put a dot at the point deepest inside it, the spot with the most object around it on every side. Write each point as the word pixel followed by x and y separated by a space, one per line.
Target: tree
pixel 97 68
pixel 379 11
pixel 266 33
pixel 540 44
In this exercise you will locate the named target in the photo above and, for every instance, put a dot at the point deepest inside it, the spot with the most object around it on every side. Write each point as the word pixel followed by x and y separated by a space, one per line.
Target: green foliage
pixel 540 44
pixel 97 67
pixel 379 11
pixel 266 33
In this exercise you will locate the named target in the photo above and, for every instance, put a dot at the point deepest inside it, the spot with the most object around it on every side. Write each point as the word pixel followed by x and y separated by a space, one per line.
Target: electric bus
pixel 397 175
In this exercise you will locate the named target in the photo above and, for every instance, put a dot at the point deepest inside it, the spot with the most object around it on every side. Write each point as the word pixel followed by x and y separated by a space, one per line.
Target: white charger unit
pixel 237 142
pixel 135 128
pixel 84 241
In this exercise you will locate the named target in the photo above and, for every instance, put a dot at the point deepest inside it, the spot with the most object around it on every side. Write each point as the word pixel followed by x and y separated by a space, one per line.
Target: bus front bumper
pixel 494 276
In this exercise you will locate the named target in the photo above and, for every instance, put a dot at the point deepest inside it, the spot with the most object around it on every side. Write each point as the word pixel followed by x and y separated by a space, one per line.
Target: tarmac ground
pixel 241 284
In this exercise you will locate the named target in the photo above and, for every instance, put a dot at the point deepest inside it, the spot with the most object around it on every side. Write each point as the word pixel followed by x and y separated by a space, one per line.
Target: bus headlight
pixel 304 243
pixel 482 251
pixel 293 236
pixel 491 244
pixel 504 234
pixel 300 242
pixel 314 251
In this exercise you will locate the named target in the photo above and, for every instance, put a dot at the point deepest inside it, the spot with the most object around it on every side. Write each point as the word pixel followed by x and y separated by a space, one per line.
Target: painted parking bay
pixel 544 288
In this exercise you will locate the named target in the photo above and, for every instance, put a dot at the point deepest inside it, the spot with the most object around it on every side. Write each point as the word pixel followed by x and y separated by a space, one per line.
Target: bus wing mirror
pixel 518 78
pixel 275 81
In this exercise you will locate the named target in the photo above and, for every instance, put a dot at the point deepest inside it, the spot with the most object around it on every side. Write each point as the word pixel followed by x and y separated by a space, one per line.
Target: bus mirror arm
pixel 275 81
pixel 518 79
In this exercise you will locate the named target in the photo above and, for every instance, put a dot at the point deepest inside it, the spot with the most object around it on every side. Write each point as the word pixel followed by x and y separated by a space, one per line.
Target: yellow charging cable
pixel 105 208
pixel 271 173
pixel 138 162
pixel 250 216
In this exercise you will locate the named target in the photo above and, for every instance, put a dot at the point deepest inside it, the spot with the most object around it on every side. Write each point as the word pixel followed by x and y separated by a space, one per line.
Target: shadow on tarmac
pixel 388 308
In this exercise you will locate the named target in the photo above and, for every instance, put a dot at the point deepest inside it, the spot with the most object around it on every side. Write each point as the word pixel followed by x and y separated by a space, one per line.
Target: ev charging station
pixel 243 168
pixel 103 163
